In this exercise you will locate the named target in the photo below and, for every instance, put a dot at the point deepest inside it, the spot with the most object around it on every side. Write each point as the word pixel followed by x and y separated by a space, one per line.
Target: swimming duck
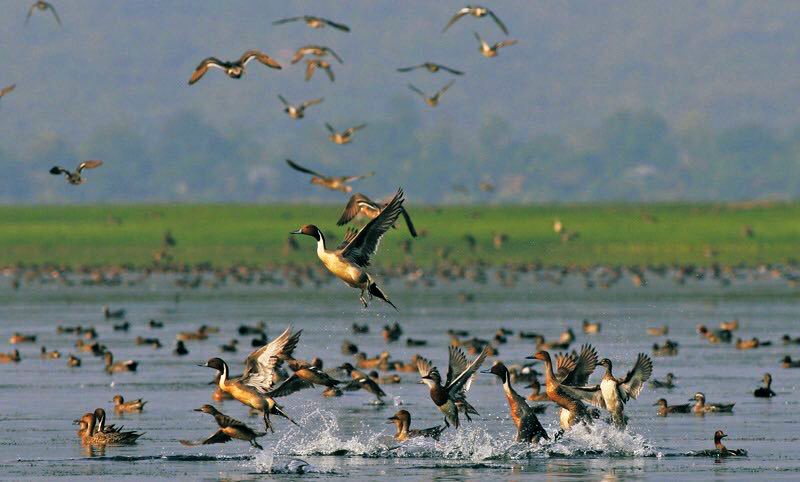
pixel 133 406
pixel 658 330
pixel 100 422
pixel 123 327
pixel 10 357
pixel 416 342
pixel 298 111
pixel 49 355
pixel 344 137
pixel 155 324
pixel 668 382
pixel 381 361
pixel 334 183
pixel 591 327
pixel 313 64
pixel 765 391
pixel 73 361
pixel 5 90
pixel 490 51
pixel 42 6
pixel 430 67
pixel 360 329
pixel 107 313
pixel 17 338
pixel 349 348
pixel 788 340
pixel 229 347
pixel 257 329
pixel 450 398
pixel 720 450
pixel 256 387
pixel 477 12
pixel 180 349
pixel 234 69
pixel 89 436
pixel 787 362
pixel 432 100
pixel 529 429
pixel 153 342
pixel 229 428
pixel 120 366
pixel 714 336
pixel 314 22
pixel 669 348
pixel 729 325
pixel 612 393
pixel 318 50
pixel 553 345
pixel 664 409
pixel 198 335
pixel 702 407
pixel 94 348
pixel 360 205
pixel 750 344
pixel 350 259
pixel 402 421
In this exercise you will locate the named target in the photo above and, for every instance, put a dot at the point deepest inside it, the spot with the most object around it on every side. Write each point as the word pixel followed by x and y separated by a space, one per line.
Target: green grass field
pixel 256 235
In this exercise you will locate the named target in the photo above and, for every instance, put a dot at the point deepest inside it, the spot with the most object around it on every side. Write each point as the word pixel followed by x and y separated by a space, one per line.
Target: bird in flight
pixel 477 12
pixel 490 51
pixel 5 90
pixel 318 50
pixel 298 111
pixel 314 22
pixel 334 183
pixel 42 6
pixel 431 67
pixel 233 69
pixel 360 205
pixel 313 64
pixel 75 178
pixel 345 136
pixel 433 100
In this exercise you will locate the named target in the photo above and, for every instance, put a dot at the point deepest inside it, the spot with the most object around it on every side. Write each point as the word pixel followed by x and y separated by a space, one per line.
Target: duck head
pixel 540 355
pixel 207 409
pixel 432 379
pixel 401 419
pixel 498 369
pixel 217 364
pixel 662 402
pixel 309 230
pixel 606 363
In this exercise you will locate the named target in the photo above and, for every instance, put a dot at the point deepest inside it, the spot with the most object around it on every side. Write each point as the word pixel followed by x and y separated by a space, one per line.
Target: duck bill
pixel 296 231
pixel 486 371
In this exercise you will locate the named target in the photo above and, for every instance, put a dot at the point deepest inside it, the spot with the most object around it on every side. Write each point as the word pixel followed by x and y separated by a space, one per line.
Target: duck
pixel 701 407
pixel 536 395
pixel 12 357
pixel 658 330
pixel 349 261
pixel 49 355
pixel 100 422
pixel 313 64
pixel 334 183
pixel 361 381
pixel 349 348
pixel 73 361
pixel 380 361
pixel 197 335
pixel 788 340
pixel 180 349
pixel 257 329
pixel 402 421
pixel 256 387
pixel 787 362
pixel 107 313
pixel 122 326
pixel 94 348
pixel 490 51
pixel 233 69
pixel 314 22
pixel 309 373
pixel 477 12
pixel 765 391
pixel 668 348
pixel 393 379
pixel 413 342
pixel 318 50
pixel 732 325
pixel 42 6
pixel 7 89
pixel 90 436
pixel 432 100
pixel 720 450
pixel 133 406
pixel 541 344
pixel 450 398
pixel 298 111
pixel 120 366
pixel 229 347
pixel 668 382
pixel 360 329
pixel 750 344
pixel 714 336
pixel 153 342
pixel 430 67
pixel 155 324
pixel 229 428
pixel 591 327
pixel 18 338
pixel 664 409
pixel 612 393
pixel 529 429
pixel 360 206
pixel 391 333
pixel 344 137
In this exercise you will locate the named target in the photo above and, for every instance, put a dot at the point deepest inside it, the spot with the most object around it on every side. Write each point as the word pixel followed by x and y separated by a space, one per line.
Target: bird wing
pixel 298 167
pixel 286 20
pixel 366 242
pixel 477 36
pixel 353 207
pixel 55 14
pixel 311 66
pixel 291 385
pixel 585 364
pixel 415 89
pixel 333 54
pixel 339 26
pixel 89 165
pixel 565 364
pixel 410 225
pixel 446 86
pixel 351 130
pixel 5 90
pixel 348 236
pixel 409 69
pixel 283 100
pixel 504 43
pixel 311 102
pixel 591 394
pixel 633 383
pixel 329 71
pixel 201 69
pixel 462 382
pixel 298 56
pixel 261 57
pixel 498 21
pixel 330 128
pixel 356 178
pixel 456 364
pixel 30 12
pixel 259 366
pixel 452 71
pixel 425 367
pixel 56 170
pixel 218 437
pixel 456 17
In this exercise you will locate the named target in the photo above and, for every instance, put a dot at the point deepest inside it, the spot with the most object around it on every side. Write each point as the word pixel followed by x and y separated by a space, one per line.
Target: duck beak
pixel 486 371
pixel 723 435
pixel 203 365
pixel 297 231
pixel 197 410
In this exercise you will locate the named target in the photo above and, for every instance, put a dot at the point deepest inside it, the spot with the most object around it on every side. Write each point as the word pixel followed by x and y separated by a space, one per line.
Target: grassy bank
pixel 225 234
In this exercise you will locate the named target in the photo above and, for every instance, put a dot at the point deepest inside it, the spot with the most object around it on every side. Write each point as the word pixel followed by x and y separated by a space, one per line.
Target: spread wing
pixel 456 364
pixel 89 165
pixel 56 170
pixel 410 225
pixel 348 236
pixel 261 57
pixel 351 130
pixel 456 18
pixel 298 56
pixel 462 381
pixel 353 207
pixel 452 71
pixel 415 89
pixel 311 66
pixel 330 128
pixel 366 242
pixel 339 26
pixel 333 54
pixel 55 14
pixel 565 364
pixel 311 102
pixel 218 437
pixel 585 364
pixel 409 69
pixel 498 22
pixel 7 89
pixel 283 100
pixel 504 43
pixel 590 394
pixel 329 71
pixel 446 86
pixel 425 367
pixel 291 385
pixel 633 383
pixel 356 178
pixel 298 167
pixel 286 20
pixel 201 69
pixel 259 366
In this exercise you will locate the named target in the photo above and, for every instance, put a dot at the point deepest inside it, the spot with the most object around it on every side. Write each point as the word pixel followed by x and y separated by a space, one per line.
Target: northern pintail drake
pixel 360 206
pixel 787 362
pixel 233 69
pixel 431 100
pixel 120 366
pixel 668 382
pixel 133 406
pixel 490 51
pixel 318 50
pixel 612 393
pixel 766 390
pixel 344 137
pixel 298 111
pixel 450 398
pixel 49 355
pixel 42 6
pixel 701 407
pixel 529 429
pixel 349 261
pixel 18 338
pixel 478 12
pixel 664 409
pixel 256 387
pixel 100 421
pixel 229 428
pixel 402 421
pixel 12 357
pixel 90 436
pixel 314 22
pixel 334 183
pixel 430 67
pixel 720 450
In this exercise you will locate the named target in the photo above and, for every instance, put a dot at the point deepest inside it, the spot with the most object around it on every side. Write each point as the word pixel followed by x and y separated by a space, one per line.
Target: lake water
pixel 347 437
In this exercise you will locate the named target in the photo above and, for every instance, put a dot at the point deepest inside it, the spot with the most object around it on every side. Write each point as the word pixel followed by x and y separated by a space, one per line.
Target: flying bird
pixel 334 183
pixel 75 178
pixel 451 397
pixel 42 6
pixel 229 429
pixel 360 205
pixel 318 50
pixel 345 136
pixel 298 111
pixel 430 67
pixel 5 90
pixel 349 261
pixel 314 22
pixel 490 51
pixel 433 100
pixel 313 64
pixel 477 12
pixel 234 69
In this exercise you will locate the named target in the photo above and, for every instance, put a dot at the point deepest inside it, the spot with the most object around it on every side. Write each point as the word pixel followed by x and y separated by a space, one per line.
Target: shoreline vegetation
pixel 220 235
